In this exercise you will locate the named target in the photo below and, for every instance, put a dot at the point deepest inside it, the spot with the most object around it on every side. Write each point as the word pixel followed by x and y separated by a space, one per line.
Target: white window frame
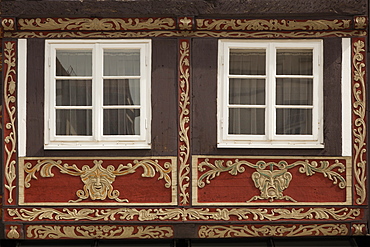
pixel 98 140
pixel 270 139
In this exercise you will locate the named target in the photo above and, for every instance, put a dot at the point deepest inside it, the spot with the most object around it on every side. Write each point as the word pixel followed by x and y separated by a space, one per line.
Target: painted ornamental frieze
pixel 271 181
pixel 88 181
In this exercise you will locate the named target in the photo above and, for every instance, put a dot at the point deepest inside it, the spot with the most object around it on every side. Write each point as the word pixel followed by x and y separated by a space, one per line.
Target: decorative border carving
pixel 359 229
pixel 361 22
pixel 184 121
pixel 273 231
pixel 9 118
pixel 8 24
pixel 97 24
pixel 105 176
pixel 272 177
pixel 359 119
pixel 98 232
pixel 186 23
pixel 188 34
pixel 13 232
pixel 271 25
pixel 182 214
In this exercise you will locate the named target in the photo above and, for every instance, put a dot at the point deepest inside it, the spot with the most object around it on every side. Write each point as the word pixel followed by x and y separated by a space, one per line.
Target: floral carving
pixel 90 24
pixel 184 104
pixel 271 178
pixel 273 231
pixel 98 180
pixel 184 214
pixel 271 25
pixel 10 137
pixel 98 232
pixel 359 124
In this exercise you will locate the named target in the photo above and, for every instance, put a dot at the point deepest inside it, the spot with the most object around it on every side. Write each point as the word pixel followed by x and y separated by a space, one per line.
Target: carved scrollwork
pixel 359 124
pixel 186 34
pixel 98 232
pixel 184 214
pixel 97 179
pixel 271 25
pixel 271 178
pixel 10 137
pixel 91 24
pixel 273 231
pixel 184 117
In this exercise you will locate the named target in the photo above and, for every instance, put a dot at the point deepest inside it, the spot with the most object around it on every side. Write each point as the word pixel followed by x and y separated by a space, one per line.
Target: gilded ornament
pixel 98 232
pixel 91 24
pixel 360 22
pixel 359 229
pixel 98 180
pixel 273 231
pixel 188 34
pixel 8 24
pixel 184 214
pixel 13 233
pixel 359 124
pixel 271 178
pixel 271 25
pixel 185 23
pixel 10 137
pixel 184 121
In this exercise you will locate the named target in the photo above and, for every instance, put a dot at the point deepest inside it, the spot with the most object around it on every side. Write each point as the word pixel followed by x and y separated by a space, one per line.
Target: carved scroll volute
pixel 9 120
pixel 359 120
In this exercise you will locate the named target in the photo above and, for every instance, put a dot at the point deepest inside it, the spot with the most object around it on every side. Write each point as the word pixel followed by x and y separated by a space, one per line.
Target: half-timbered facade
pixel 184 121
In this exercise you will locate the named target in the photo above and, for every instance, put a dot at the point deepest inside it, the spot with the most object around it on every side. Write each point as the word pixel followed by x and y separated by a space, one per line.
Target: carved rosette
pixel 359 119
pixel 9 119
pixel 359 229
pixel 361 22
pixel 182 214
pixel 228 231
pixel 97 232
pixel 13 232
pixel 184 121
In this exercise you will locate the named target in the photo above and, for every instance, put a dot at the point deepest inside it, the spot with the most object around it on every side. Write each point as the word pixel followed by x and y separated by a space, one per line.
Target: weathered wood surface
pixel 235 8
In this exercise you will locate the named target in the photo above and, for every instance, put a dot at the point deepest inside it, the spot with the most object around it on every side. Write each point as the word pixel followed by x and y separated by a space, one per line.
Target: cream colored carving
pixel 183 214
pixel 359 229
pixel 360 22
pixel 8 24
pixel 271 178
pixel 272 25
pixel 9 98
pixel 273 231
pixel 184 152
pixel 98 232
pixel 95 24
pixel 13 233
pixel 185 24
pixel 359 128
pixel 98 180
pixel 188 34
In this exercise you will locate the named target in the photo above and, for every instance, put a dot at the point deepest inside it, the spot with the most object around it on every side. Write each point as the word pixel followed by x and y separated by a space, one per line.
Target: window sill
pixel 106 145
pixel 288 145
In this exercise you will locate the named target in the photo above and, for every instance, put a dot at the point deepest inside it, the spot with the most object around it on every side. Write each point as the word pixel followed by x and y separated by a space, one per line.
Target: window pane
pixel 294 62
pixel 249 121
pixel 74 122
pixel 247 62
pixel 121 122
pixel 294 121
pixel 294 91
pixel 121 62
pixel 73 92
pixel 74 63
pixel 122 92
pixel 247 91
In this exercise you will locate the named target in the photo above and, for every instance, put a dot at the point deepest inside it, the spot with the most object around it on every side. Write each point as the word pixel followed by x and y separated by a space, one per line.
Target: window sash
pixel 141 137
pixel 271 107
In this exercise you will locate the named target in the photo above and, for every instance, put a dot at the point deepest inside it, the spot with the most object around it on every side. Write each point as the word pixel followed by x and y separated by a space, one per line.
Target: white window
pixel 270 94
pixel 97 94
